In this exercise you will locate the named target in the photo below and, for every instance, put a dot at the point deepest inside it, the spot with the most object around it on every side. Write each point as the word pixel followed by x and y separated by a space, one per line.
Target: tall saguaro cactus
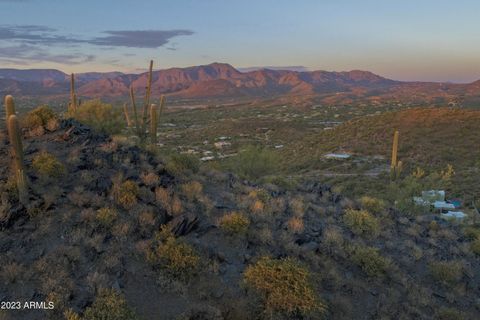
pixel 148 92
pixel 394 150
pixel 395 166
pixel 149 114
pixel 73 96
pixel 17 153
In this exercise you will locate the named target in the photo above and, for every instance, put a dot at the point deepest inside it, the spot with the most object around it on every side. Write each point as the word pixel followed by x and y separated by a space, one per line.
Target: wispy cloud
pixel 138 38
pixel 24 53
pixel 34 42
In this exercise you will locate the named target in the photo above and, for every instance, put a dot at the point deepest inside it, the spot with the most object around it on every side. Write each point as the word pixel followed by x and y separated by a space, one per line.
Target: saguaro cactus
pixel 148 92
pixel 127 116
pixel 142 120
pixel 73 96
pixel 17 153
pixel 395 166
pixel 153 123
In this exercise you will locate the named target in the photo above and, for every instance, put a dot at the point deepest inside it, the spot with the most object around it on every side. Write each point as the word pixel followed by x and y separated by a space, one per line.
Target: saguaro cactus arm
pixel 9 107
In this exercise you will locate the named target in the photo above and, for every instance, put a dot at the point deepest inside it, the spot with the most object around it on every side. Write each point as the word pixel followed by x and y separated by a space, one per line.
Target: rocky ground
pixel 97 221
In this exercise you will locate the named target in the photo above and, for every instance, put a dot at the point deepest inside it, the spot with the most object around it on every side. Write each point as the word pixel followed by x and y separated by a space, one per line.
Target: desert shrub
pixel 475 246
pixel 170 202
pixel 361 222
pixel 126 193
pixel 71 315
pixel 370 260
pixel 446 272
pixel 47 165
pixel 182 164
pixel 234 223
pixel 175 257
pixel 254 163
pixel 39 117
pixel 472 232
pixel 150 179
pixel 257 207
pixel 192 190
pixel 295 224
pixel 372 204
pixel 297 206
pixel 284 285
pixel 100 116
pixel 109 305
pixel 106 217
pixel 260 194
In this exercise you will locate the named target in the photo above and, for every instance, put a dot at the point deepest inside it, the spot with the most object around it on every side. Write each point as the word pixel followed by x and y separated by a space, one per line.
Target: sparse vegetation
pixel 40 117
pixel 371 262
pixel 234 223
pixel 361 222
pixel 254 163
pixel 175 257
pixel 446 272
pixel 284 285
pixel 109 305
pixel 182 164
pixel 126 193
pixel 101 116
pixel 47 165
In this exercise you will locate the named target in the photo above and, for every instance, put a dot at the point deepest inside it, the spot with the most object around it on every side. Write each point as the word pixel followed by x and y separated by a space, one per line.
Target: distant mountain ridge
pixel 216 80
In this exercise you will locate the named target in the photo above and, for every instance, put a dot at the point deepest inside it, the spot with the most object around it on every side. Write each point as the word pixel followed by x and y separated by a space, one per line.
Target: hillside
pixel 91 233
pixel 430 138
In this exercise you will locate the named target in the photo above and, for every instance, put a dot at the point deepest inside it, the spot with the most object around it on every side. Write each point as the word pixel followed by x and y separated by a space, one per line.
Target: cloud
pixel 24 53
pixel 41 35
pixel 138 38
pixel 33 43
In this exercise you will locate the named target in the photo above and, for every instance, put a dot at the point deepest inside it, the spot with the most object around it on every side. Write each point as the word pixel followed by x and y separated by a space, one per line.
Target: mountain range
pixel 219 80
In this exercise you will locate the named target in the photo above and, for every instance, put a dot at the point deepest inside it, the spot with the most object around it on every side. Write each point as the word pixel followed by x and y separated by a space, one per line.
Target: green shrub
pixel 446 272
pixel 284 285
pixel 372 204
pixel 109 305
pixel 182 164
pixel 361 222
pixel 177 258
pixel 100 116
pixel 234 223
pixel 47 165
pixel 126 193
pixel 254 163
pixel 370 260
pixel 39 117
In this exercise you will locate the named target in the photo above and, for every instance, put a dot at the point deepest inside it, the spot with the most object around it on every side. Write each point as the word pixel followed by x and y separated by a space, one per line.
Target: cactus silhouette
pixel 73 96
pixel 395 166
pixel 149 113
pixel 17 153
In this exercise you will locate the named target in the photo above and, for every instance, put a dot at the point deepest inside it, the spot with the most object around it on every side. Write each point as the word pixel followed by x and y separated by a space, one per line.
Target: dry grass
pixel 284 285
pixel 234 223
